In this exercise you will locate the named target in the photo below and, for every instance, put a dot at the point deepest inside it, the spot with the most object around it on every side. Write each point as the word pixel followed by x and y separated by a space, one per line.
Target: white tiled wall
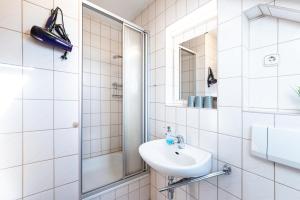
pixel 224 132
pixel 273 36
pixel 39 102
pixel 137 189
pixel 101 109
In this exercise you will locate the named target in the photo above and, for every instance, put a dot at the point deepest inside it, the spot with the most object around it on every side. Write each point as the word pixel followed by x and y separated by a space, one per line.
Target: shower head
pixel 262 10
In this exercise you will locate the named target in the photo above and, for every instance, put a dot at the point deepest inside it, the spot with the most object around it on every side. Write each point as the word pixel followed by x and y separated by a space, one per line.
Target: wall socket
pixel 271 60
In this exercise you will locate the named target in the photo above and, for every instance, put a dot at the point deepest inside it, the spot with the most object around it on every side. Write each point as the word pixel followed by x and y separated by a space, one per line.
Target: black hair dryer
pixel 53 34
pixel 211 78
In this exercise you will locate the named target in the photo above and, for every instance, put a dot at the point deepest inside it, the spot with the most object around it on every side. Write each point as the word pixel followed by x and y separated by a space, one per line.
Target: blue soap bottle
pixel 169 138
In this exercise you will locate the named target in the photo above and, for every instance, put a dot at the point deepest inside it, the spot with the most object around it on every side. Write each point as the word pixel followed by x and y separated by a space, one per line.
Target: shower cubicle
pixel 114 107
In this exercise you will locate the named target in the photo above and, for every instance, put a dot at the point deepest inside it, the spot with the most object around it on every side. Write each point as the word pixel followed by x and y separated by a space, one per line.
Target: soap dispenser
pixel 169 138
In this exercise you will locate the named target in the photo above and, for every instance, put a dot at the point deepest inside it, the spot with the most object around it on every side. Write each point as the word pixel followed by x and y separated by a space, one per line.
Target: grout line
pixel 53 120
pixel 242 98
pixel 22 14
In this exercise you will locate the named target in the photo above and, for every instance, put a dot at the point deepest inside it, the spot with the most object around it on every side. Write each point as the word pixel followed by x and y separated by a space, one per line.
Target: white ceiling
pixel 127 9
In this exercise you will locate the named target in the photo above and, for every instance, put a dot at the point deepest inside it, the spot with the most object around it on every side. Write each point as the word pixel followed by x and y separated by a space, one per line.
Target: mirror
pixel 197 60
pixel 180 36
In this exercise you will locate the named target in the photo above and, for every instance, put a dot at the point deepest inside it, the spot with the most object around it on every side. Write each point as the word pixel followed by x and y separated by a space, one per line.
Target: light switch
pixel 259 141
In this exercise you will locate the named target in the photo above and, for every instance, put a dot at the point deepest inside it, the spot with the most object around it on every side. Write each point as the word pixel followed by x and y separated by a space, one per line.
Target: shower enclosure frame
pixel 145 61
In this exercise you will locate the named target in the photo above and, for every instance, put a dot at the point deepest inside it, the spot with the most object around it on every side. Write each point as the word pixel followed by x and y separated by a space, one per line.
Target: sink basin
pixel 172 161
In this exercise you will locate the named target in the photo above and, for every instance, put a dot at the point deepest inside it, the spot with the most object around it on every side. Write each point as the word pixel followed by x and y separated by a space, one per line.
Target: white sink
pixel 172 161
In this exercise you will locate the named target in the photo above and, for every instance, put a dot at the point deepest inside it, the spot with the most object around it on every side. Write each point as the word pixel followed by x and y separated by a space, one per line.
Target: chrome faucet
pixel 180 141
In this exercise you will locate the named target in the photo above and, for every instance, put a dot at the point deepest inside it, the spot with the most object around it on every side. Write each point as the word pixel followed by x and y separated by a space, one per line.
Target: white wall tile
pixel 287 121
pixel 71 26
pixel 69 65
pixel 232 183
pixel 263 32
pixel 288 30
pixel 229 34
pixel 160 22
pixel 11 117
pixel 256 165
pixel 160 44
pixel 181 130
pixel 257 93
pixel 121 191
pixel 10 150
pixel 250 119
pixel 257 69
pixel 44 3
pixel 230 121
pixel 193 117
pixel 69 191
pixel 12 83
pixel 160 111
pixel 192 136
pixel 38 115
pixel 209 120
pixel 11 47
pixel 191 5
pixel 209 142
pixel 69 7
pixel 170 114
pixel 37 54
pixel 47 195
pixel 230 63
pixel 110 195
pixel 225 195
pixel 65 114
pixel 288 58
pixel 38 146
pixel 160 58
pixel 65 142
pixel 282 193
pixel 38 19
pixel 180 8
pixel 37 177
pixel 160 129
pixel 287 176
pixel 230 149
pixel 160 75
pixel 228 9
pixel 256 187
pixel 288 4
pixel 230 92
pixel 66 170
pixel 287 97
pixel 207 191
pixel 181 116
pixel 170 15
pixel 11 13
pixel 66 86
pixel 170 3
pixel 160 94
pixel 145 192
pixel 39 84
pixel 160 7
pixel 152 11
pixel 11 183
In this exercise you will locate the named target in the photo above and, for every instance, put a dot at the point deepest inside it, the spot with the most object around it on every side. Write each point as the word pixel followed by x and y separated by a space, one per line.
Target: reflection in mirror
pixel 198 66
pixel 187 71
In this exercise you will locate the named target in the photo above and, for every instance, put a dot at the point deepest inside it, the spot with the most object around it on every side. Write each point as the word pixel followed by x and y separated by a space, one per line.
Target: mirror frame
pixel 182 30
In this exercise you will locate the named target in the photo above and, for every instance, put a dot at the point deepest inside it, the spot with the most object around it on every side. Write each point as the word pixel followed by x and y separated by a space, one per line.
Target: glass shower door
pixel 133 98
